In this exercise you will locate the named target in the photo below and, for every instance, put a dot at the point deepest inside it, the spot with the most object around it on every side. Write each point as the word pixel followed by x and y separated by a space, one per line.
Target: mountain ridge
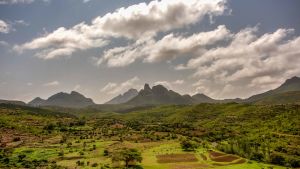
pixel 123 98
pixel 61 99
pixel 159 95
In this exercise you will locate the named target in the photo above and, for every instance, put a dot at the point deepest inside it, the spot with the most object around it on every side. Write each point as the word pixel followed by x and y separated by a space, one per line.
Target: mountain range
pixel 288 92
pixel 74 99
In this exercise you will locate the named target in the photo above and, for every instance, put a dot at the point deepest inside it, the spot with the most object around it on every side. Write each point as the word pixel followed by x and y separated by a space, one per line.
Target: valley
pixel 229 135
pixel 154 128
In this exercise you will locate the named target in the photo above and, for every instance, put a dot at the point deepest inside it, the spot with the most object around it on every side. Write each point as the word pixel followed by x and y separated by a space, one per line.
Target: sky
pixel 102 48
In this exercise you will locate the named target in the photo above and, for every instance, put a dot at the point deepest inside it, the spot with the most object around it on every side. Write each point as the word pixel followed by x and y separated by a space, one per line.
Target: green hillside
pixel 252 136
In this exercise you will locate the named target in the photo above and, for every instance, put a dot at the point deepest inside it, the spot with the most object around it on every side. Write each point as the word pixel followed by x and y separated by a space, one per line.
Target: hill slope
pixel 201 98
pixel 290 85
pixel 73 100
pixel 12 102
pixel 123 98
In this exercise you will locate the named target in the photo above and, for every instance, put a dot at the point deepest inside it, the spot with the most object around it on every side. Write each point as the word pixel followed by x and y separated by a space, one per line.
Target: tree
pixel 128 156
pixel 188 145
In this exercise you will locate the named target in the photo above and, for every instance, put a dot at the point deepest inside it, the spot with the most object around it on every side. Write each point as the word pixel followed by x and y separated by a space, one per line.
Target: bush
pixel 95 165
pixel 105 152
pixel 188 145
pixel 257 156
pixel 277 159
pixel 61 154
pixel 16 139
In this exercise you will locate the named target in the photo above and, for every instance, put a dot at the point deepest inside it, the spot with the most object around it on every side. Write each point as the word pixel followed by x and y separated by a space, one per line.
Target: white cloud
pixel 4 27
pixel 114 88
pixel 109 87
pixel 140 20
pixel 51 84
pixel 62 42
pixel 148 19
pixel 29 84
pixel 167 48
pixel 179 82
pixel 248 63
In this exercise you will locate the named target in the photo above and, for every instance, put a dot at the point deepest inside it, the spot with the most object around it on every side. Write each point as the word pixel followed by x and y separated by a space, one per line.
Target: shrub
pixel 105 152
pixel 95 165
pixel 16 139
pixel 188 145
pixel 277 159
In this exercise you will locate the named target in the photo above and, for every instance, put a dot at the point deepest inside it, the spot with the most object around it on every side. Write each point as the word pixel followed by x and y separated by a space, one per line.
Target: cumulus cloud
pixel 115 88
pixel 148 19
pixel 248 63
pixel 51 84
pixel 62 42
pixel 169 47
pixel 4 27
pixel 133 22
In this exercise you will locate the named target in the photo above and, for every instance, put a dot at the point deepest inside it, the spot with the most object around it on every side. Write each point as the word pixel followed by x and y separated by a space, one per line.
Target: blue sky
pixel 224 49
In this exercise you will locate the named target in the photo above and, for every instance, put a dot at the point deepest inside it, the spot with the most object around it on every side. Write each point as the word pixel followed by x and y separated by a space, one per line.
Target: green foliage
pixel 189 145
pixel 128 155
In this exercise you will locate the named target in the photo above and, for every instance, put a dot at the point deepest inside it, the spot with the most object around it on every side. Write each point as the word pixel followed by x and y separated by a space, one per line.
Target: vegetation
pixel 207 135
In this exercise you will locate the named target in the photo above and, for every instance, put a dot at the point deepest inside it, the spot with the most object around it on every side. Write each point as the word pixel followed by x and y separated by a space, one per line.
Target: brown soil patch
pixel 226 158
pixel 191 166
pixel 240 161
pixel 214 154
pixel 174 158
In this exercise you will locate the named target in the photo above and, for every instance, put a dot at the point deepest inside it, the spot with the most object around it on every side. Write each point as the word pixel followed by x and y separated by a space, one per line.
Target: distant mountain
pixel 12 102
pixel 123 98
pixel 37 102
pixel 72 100
pixel 158 95
pixel 201 98
pixel 289 85
pixel 288 92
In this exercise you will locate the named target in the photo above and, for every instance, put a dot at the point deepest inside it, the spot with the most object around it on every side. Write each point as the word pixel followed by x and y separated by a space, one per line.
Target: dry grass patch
pixel 175 158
